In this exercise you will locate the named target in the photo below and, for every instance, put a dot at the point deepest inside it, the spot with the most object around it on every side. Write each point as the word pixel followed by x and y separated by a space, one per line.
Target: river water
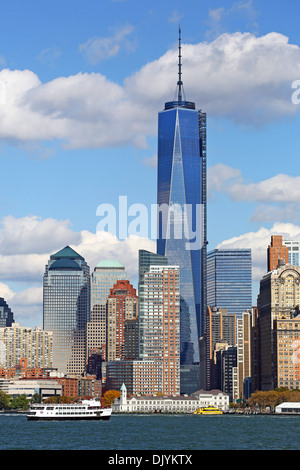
pixel 153 432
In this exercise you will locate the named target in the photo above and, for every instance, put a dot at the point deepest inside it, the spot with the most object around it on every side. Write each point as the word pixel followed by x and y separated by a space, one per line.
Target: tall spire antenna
pixel 179 83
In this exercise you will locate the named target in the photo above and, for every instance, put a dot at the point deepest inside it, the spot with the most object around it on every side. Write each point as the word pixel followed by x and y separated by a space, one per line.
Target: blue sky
pixel 81 84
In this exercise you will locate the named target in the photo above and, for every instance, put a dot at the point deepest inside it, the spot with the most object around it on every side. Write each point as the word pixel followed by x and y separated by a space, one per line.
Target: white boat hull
pixel 86 410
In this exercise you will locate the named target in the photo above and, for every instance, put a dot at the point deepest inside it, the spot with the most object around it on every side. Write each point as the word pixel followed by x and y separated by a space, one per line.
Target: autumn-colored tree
pixel 110 396
pixel 272 398
pixel 58 399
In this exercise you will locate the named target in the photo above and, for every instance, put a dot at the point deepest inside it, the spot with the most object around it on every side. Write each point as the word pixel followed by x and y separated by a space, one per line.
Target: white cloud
pixel 49 56
pixel 5 292
pixel 151 161
pixel 239 76
pixel 175 17
pixel 31 296
pixel 31 235
pixel 283 212
pixel 99 48
pixel 279 188
pixel 258 242
pixel 26 305
pixel 26 245
pixel 103 245
pixel 278 196
pixel 220 176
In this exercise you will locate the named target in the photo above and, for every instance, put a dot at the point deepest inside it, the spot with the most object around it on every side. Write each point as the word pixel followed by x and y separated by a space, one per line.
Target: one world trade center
pixel 181 200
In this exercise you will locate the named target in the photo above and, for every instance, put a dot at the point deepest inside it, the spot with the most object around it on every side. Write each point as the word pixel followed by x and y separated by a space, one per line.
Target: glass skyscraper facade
pixel 181 199
pixel 104 277
pixel 229 280
pixel 66 309
pixel 6 315
pixel 294 249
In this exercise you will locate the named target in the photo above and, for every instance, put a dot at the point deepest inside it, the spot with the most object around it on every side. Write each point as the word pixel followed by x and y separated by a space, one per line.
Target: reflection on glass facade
pixel 229 280
pixel 103 278
pixel 181 199
pixel 294 249
pixel 67 309
pixel 6 315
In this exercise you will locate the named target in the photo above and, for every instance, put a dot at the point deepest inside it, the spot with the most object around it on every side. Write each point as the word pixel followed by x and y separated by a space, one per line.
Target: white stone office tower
pixel 66 309
pixel 161 309
pixel 279 330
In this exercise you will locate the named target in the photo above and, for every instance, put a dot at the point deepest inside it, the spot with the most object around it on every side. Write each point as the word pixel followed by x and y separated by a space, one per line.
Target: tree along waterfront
pixel 272 398
pixel 259 400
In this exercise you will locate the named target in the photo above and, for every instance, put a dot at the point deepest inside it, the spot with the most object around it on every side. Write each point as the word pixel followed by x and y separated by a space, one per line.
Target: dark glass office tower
pixel 181 199
pixel 6 315
pixel 66 309
pixel 229 280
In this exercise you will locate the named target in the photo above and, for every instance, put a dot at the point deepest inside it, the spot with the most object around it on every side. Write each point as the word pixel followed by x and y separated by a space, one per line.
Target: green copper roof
pixel 64 264
pixel 108 263
pixel 66 252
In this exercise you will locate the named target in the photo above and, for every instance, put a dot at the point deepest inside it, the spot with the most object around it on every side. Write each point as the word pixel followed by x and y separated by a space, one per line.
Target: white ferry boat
pixel 83 410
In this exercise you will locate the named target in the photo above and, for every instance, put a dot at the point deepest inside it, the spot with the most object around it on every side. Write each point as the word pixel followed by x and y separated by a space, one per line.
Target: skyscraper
pixel 229 280
pixel 122 306
pixel 277 252
pixel 66 309
pixel 293 247
pixel 181 199
pixel 146 259
pixel 278 325
pixel 161 341
pixel 220 330
pixel 103 278
pixel 6 315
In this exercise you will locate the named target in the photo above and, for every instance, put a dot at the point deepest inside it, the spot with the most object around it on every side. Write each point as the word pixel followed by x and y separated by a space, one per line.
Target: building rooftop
pixel 66 252
pixel 108 263
pixel 65 264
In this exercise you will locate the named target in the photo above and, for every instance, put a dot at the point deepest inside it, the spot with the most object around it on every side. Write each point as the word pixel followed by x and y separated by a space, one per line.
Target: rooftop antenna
pixel 179 83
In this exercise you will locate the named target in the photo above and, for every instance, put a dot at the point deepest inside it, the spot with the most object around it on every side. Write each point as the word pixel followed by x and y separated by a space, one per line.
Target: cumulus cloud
pixel 240 76
pixel 283 212
pixel 258 242
pixel 219 17
pixel 5 291
pixel 278 196
pixel 26 305
pixel 279 188
pixel 26 245
pixel 99 48
pixel 24 257
pixel 220 176
pixel 151 161
pixel 175 17
pixel 31 234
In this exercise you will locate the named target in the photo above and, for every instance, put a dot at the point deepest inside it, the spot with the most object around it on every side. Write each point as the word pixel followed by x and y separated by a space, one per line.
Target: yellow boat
pixel 208 410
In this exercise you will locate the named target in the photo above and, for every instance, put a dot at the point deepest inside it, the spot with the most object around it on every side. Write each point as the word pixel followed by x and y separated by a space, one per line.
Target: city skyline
pixel 73 134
